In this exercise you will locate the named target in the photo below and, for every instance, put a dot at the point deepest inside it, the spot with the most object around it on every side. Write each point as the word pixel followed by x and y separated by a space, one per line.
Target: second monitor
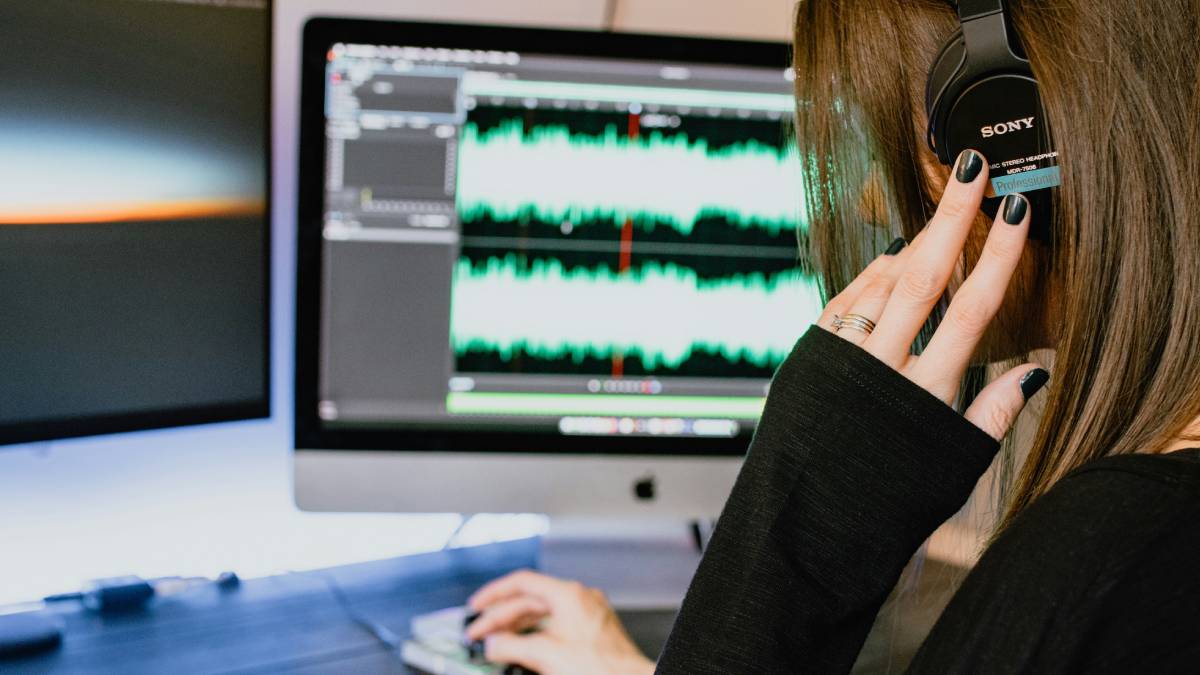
pixel 550 258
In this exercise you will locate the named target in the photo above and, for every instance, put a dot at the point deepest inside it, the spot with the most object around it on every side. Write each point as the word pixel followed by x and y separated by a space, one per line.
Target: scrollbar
pixel 648 426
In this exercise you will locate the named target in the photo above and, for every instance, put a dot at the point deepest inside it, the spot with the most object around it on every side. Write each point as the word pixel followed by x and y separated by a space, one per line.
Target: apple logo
pixel 643 488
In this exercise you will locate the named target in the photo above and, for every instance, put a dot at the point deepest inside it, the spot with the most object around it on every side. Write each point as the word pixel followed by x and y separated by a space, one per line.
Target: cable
pixel 702 532
pixel 610 15
pixel 379 631
pixel 462 524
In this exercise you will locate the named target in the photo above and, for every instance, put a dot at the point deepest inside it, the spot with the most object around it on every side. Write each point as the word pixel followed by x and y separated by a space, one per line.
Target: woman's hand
pixel 578 631
pixel 898 293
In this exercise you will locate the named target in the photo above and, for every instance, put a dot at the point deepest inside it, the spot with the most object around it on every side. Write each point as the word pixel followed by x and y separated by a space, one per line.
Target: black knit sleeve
pixel 851 468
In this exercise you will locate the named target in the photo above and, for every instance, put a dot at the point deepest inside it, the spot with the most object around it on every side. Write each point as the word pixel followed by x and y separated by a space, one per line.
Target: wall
pixel 202 500
pixel 751 19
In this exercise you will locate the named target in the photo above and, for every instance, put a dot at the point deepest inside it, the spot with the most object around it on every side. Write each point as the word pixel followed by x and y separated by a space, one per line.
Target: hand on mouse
pixel 895 294
pixel 578 631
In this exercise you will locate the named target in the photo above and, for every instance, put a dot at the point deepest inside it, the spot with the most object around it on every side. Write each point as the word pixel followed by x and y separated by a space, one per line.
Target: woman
pixel 859 455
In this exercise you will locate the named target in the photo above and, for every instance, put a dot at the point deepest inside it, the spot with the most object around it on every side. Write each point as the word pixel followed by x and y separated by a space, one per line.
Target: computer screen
pixel 133 200
pixel 589 239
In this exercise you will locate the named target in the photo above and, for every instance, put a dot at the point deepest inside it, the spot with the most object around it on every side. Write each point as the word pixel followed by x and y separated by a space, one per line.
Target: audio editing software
pixel 526 241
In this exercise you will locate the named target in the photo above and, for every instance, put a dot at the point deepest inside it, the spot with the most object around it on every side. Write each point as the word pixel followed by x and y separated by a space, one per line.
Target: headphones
pixel 981 94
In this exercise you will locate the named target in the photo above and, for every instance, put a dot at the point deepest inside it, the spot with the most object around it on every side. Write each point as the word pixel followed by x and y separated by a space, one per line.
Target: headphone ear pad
pixel 946 65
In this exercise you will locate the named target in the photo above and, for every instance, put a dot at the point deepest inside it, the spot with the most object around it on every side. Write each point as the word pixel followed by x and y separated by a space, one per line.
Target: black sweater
pixel 853 466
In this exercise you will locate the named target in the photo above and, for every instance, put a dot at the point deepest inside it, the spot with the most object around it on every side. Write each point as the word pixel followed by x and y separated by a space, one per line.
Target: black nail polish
pixel 969 164
pixel 896 246
pixel 1015 206
pixel 1033 381
pixel 475 651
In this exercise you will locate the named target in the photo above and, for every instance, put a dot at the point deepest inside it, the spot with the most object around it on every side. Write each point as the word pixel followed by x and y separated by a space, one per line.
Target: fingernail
pixel 969 164
pixel 1033 381
pixel 470 618
pixel 896 246
pixel 1015 207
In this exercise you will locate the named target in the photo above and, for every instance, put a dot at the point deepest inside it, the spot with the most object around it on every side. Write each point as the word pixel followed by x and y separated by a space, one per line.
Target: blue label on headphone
pixel 1027 181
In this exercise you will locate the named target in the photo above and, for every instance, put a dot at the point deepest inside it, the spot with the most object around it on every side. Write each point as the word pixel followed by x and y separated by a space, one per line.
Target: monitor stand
pixel 639 564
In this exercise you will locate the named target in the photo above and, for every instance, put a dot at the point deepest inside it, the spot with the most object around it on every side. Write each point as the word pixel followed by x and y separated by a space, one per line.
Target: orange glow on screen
pixel 64 214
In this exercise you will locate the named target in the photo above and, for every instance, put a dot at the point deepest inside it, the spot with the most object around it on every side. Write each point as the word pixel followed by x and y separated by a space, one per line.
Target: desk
pixel 292 623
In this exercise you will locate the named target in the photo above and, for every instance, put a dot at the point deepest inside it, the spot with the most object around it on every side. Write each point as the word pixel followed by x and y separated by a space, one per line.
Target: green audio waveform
pixel 551 175
pixel 661 313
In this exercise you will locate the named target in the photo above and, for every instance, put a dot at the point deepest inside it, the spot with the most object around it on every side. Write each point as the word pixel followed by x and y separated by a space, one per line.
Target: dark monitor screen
pixel 133 215
pixel 542 240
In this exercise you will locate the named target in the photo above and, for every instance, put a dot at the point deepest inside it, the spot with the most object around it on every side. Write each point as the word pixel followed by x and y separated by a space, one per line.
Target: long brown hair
pixel 1122 279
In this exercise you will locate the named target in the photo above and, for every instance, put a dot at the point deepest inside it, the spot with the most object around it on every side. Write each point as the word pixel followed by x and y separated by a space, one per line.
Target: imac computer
pixel 134 262
pixel 540 270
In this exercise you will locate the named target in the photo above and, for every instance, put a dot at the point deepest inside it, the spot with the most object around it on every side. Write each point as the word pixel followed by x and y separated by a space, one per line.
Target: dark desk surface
pixel 292 623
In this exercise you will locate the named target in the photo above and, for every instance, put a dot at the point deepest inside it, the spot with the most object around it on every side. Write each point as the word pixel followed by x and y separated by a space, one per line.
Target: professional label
pixel 1026 179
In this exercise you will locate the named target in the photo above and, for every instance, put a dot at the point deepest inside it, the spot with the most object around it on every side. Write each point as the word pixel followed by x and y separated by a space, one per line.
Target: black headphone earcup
pixel 946 67
pixel 988 100
pixel 949 60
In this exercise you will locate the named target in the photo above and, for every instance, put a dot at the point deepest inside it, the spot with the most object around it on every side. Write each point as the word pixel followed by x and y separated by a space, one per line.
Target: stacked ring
pixel 856 322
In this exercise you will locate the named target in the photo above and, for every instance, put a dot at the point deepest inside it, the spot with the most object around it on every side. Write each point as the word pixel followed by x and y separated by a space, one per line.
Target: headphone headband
pixel 971 9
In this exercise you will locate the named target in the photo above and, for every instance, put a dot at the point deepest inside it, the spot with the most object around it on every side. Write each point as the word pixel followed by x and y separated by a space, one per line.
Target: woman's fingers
pixel 521 583
pixel 549 590
pixel 873 296
pixel 513 614
pixel 930 262
pixel 975 303
pixel 998 405
pixel 841 303
pixel 535 651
